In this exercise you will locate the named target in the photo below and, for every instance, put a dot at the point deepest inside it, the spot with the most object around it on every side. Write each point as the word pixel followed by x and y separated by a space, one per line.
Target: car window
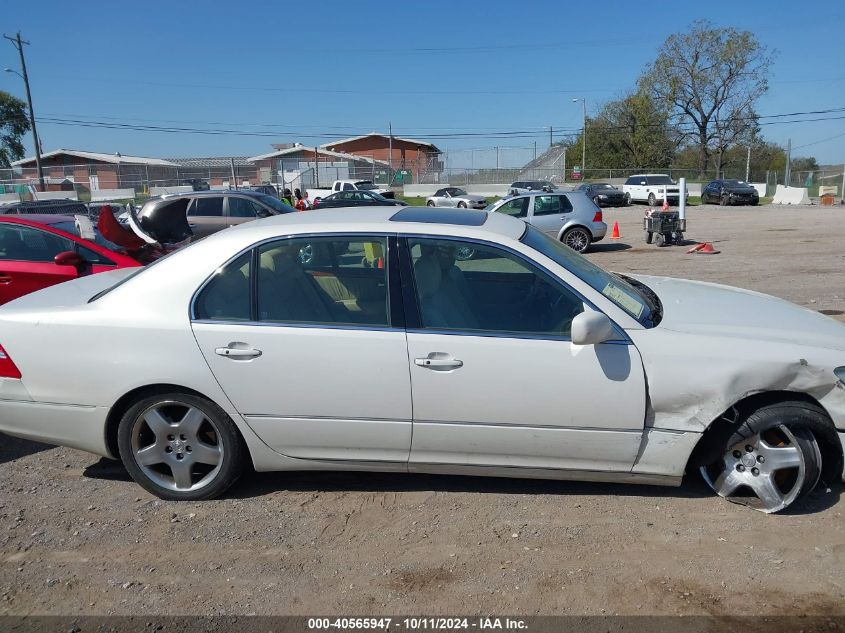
pixel 323 280
pixel 243 208
pixel 210 206
pixel 633 180
pixel 517 207
pixel 660 180
pixel 348 187
pixel 27 244
pixel 439 193
pixel 472 286
pixel 551 205
pixel 226 296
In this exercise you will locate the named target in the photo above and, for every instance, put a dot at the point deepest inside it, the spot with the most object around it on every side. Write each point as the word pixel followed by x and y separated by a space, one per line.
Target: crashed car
pixel 382 351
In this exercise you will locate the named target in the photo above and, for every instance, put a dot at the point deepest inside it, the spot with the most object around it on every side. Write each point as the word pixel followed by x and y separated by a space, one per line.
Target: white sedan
pixel 353 339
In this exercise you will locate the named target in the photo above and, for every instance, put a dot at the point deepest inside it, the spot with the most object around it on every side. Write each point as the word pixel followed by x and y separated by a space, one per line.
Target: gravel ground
pixel 78 537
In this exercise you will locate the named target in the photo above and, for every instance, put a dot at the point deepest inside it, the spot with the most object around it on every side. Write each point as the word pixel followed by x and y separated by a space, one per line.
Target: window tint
pixel 471 286
pixel 27 244
pixel 517 207
pixel 226 296
pixel 208 206
pixel 243 208
pixel 633 180
pixel 551 205
pixel 335 281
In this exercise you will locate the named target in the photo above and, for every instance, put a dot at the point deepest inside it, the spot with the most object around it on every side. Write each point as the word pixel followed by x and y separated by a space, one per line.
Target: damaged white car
pixel 354 339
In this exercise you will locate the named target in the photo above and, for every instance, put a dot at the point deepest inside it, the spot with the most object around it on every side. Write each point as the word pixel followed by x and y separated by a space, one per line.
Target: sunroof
pixel 433 215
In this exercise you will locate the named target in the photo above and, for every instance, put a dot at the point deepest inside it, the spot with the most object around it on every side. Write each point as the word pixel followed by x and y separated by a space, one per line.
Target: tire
pixel 192 448
pixel 649 236
pixel 790 430
pixel 462 205
pixel 652 200
pixel 724 201
pixel 578 239
pixel 627 199
pixel 429 204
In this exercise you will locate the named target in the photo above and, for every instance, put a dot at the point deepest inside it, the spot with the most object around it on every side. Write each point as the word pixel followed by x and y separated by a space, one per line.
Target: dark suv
pixel 179 216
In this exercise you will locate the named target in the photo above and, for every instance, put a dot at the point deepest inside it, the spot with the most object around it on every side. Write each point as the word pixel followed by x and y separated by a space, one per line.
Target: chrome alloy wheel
pixel 577 240
pixel 177 446
pixel 766 471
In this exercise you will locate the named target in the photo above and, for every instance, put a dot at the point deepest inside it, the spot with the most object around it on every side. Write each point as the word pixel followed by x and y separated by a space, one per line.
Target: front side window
pixel 516 207
pixel 323 280
pixel 27 244
pixel 243 208
pixel 467 286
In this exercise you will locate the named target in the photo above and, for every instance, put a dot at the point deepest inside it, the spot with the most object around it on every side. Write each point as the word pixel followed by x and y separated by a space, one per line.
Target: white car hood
pixel 713 309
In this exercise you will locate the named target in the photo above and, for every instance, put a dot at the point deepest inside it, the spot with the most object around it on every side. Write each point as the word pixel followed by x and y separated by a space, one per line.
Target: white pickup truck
pixel 348 185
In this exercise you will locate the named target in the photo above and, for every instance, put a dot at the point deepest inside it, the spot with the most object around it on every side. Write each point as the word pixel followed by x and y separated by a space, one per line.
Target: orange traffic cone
pixel 614 234
pixel 705 248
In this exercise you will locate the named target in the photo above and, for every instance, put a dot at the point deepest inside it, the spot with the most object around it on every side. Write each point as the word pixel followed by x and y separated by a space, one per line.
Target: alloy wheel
pixel 766 471
pixel 177 446
pixel 577 240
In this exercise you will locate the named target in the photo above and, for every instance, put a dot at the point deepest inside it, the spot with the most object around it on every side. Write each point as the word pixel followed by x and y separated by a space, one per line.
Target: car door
pixel 301 337
pixel 550 212
pixel 26 260
pixel 206 215
pixel 496 380
pixel 240 210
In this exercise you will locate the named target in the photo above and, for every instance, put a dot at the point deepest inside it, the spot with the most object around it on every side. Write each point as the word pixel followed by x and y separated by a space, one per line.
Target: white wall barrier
pixel 791 195
pixel 760 187
pixel 104 195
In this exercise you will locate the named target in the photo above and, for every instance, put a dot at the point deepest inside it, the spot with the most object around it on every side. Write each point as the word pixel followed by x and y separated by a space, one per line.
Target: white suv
pixel 650 188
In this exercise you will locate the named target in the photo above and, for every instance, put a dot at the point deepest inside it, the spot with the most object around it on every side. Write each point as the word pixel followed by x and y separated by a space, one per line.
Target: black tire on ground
pixel 649 236
pixel 652 199
pixel 578 239
pixel 216 430
pixel 808 424
pixel 429 204
pixel 462 205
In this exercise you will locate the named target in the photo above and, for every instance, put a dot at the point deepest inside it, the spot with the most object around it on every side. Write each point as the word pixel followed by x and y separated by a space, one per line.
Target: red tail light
pixel 7 368
pixel 598 216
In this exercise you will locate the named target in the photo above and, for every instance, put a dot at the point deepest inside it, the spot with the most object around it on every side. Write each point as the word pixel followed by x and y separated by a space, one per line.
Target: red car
pixel 37 251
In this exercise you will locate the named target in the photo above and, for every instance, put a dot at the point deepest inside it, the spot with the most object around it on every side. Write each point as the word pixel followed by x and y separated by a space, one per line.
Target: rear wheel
pixel 652 200
pixel 181 447
pixel 578 239
pixel 772 459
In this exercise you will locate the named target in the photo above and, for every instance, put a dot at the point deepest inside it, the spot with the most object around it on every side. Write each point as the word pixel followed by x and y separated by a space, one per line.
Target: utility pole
pixel 583 101
pixel 390 152
pixel 787 176
pixel 748 165
pixel 316 169
pixel 18 42
pixel 551 136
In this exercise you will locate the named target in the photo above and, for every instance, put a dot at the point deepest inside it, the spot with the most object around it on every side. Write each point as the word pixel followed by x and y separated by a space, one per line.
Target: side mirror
pixel 591 328
pixel 69 258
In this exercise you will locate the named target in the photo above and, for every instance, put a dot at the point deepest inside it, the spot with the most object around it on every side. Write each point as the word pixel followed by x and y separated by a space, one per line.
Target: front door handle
pixel 439 361
pixel 238 351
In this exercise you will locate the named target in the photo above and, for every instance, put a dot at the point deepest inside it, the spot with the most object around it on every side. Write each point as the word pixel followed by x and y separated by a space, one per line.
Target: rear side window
pixel 242 208
pixel 211 206
pixel 226 296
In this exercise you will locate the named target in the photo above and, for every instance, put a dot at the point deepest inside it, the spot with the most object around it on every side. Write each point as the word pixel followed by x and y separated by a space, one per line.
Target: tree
pixel 710 79
pixel 630 132
pixel 13 125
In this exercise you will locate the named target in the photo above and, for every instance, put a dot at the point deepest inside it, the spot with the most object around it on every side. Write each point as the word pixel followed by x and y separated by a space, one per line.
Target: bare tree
pixel 710 78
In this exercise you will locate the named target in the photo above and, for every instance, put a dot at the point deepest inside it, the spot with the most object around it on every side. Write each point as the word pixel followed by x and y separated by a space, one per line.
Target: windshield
pixel 457 192
pixel 619 291
pixel 71 228
pixel 275 204
pixel 660 180
pixel 733 182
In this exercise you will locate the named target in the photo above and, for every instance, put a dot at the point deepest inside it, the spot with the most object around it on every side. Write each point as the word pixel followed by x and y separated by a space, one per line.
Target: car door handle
pixel 439 362
pixel 238 351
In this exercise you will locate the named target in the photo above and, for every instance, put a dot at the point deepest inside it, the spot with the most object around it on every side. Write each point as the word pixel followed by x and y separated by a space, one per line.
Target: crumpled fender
pixel 693 378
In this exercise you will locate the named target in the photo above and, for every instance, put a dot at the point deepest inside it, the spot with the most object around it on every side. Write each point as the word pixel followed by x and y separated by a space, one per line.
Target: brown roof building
pixel 418 157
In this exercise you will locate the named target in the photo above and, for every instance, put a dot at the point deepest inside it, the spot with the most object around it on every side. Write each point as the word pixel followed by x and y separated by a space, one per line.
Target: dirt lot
pixel 76 536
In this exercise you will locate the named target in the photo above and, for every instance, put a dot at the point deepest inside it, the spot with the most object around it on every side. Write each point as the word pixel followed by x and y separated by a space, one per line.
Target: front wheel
pixel 462 205
pixel 772 459
pixel 652 200
pixel 180 447
pixel 627 199
pixel 578 239
pixel 724 201
pixel 429 203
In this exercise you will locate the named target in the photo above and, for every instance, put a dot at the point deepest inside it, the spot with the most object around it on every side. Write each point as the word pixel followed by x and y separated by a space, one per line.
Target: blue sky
pixel 296 70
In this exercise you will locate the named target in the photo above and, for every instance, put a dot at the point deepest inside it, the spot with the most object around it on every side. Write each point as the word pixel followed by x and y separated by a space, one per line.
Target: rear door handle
pixel 238 351
pixel 439 362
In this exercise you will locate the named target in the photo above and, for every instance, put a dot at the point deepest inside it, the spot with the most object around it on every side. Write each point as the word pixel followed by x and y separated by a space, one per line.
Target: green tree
pixel 710 78
pixel 13 125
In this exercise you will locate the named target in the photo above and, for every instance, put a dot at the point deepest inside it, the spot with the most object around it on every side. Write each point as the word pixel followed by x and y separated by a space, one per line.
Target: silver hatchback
pixel 571 217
